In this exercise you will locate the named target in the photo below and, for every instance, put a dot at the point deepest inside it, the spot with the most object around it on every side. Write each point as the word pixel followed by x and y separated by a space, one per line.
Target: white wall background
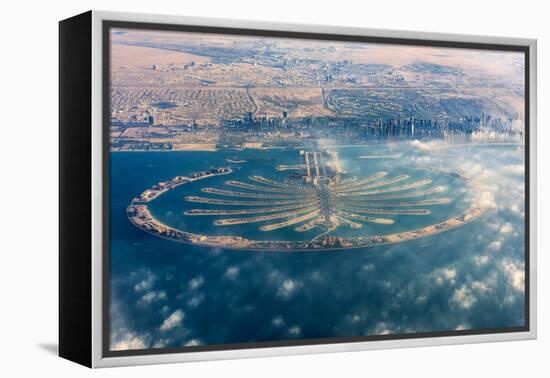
pixel 28 177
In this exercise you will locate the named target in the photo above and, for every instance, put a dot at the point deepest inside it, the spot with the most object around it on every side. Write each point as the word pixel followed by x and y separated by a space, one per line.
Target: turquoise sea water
pixel 169 294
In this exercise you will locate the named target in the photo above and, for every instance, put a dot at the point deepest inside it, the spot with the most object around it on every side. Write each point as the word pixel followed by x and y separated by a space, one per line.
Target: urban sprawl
pixel 205 93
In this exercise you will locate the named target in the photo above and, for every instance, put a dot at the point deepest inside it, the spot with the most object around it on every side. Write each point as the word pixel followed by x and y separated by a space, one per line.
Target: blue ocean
pixel 165 294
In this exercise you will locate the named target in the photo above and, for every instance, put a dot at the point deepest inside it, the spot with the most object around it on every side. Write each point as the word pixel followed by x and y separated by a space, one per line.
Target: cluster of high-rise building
pixel 141 132
pixel 401 128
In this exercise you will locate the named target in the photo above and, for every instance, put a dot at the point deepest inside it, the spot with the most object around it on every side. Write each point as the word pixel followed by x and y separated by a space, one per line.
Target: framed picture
pixel 233 189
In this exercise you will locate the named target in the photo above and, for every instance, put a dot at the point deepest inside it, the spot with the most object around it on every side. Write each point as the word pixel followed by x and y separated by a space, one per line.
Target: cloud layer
pixel 166 294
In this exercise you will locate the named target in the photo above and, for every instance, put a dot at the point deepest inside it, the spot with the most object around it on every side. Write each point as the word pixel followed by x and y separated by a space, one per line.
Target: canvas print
pixel 269 191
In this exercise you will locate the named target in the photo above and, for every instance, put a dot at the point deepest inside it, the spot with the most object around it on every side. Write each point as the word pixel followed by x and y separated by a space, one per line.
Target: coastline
pixel 334 146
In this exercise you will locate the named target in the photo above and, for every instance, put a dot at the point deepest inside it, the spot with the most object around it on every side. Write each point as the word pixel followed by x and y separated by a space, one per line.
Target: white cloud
pixel 174 320
pixel 287 288
pixel 515 273
pixel 381 329
pixel 195 300
pixel 146 283
pixel 463 297
pixel 152 296
pixel 196 282
pixel 514 208
pixel 294 331
pixel 481 260
pixel 506 228
pixel 474 169
pixel 516 169
pixel 480 287
pixel 129 341
pixel 495 245
pixel 443 275
pixel 450 274
pixel 368 268
pixel 494 226
pixel 161 343
pixel 510 299
pixel 485 200
pixel 427 146
pixel 317 276
pixel 274 276
pixel 232 272
pixel 193 342
pixel 278 321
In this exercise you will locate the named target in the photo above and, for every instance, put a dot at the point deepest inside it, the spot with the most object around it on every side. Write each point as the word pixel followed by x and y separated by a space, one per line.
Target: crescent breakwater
pixel 142 218
pixel 164 186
